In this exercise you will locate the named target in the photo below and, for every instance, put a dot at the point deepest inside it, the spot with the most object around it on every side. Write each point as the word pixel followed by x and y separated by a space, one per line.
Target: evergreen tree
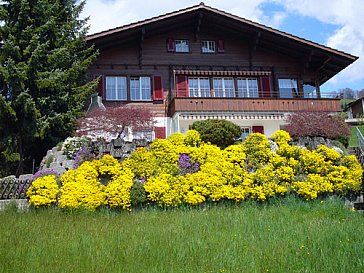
pixel 43 62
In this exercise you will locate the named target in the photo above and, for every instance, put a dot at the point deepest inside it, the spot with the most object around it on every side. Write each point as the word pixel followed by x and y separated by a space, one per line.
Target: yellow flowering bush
pixel 313 186
pixel 184 170
pixel 281 137
pixel 43 191
pixel 257 149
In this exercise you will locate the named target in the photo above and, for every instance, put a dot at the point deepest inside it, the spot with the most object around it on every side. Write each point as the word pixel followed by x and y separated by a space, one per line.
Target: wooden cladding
pixel 252 105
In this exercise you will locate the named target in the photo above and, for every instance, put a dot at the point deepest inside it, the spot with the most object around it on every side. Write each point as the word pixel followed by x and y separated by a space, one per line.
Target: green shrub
pixel 138 195
pixel 219 132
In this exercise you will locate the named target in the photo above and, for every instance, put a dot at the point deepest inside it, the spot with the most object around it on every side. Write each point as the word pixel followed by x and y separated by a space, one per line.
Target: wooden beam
pixel 198 25
pixel 306 60
pixel 141 44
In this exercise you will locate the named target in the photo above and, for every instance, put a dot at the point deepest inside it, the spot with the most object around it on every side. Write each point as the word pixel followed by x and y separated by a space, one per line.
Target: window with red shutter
pixel 182 85
pixel 160 132
pixel 158 92
pixel 220 46
pixel 265 87
pixel 170 45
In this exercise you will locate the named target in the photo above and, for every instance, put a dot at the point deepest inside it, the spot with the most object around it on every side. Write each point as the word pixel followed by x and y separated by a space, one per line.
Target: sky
pixel 335 23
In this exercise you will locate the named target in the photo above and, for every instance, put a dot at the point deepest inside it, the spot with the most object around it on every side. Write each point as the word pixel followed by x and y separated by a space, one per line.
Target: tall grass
pixel 285 236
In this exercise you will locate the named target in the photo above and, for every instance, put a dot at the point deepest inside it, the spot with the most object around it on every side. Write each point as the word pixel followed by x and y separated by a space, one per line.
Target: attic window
pixel 208 46
pixel 182 46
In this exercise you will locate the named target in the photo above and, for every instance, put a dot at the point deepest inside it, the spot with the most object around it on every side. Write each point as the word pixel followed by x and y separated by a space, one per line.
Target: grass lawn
pixel 353 141
pixel 285 236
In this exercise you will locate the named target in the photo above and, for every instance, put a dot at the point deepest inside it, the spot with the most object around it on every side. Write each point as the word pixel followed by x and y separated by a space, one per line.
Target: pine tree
pixel 43 62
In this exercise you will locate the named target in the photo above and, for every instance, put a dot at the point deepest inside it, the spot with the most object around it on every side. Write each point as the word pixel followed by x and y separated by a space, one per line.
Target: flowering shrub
pixel 73 144
pixel 43 191
pixel 44 172
pixel 184 170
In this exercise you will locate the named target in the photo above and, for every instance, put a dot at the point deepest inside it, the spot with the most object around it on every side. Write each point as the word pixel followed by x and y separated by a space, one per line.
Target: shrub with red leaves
pixel 114 121
pixel 317 124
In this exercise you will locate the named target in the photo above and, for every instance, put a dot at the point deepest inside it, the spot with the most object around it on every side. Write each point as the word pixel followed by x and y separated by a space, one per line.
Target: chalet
pixel 203 63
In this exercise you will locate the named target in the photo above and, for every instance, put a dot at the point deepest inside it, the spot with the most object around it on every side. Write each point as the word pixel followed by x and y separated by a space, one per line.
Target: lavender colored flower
pixel 186 166
pixel 44 172
pixel 81 156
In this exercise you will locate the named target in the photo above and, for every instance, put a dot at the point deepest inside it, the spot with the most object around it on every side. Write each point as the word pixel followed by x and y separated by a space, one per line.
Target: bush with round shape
pixel 217 131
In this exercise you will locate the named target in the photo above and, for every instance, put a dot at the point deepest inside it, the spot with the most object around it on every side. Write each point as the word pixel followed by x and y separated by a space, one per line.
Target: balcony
pixel 327 103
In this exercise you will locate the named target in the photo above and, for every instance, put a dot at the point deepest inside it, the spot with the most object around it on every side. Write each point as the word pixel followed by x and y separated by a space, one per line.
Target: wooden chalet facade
pixel 203 63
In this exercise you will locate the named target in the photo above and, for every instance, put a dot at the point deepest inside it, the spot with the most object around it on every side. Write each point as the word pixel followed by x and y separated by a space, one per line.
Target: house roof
pixel 329 61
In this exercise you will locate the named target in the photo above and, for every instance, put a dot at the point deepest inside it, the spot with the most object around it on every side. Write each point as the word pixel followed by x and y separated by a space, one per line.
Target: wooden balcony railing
pixel 221 104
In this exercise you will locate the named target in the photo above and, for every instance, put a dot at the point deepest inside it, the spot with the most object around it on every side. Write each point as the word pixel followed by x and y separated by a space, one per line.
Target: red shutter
pixel 100 87
pixel 158 92
pixel 182 86
pixel 258 129
pixel 265 87
pixel 160 132
pixel 221 46
pixel 170 45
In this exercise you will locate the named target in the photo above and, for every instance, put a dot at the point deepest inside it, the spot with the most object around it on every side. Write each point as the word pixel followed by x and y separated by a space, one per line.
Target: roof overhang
pixel 325 61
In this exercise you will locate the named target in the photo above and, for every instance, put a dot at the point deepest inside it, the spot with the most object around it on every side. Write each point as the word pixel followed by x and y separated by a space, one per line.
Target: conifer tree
pixel 43 62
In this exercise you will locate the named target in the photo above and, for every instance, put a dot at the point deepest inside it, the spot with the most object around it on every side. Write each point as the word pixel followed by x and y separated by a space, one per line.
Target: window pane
pixel 204 87
pixel 229 87
pixel 248 88
pixel 182 46
pixel 193 87
pixel 134 88
pixel 145 86
pixel 287 88
pixel 115 88
pixel 218 89
pixel 208 47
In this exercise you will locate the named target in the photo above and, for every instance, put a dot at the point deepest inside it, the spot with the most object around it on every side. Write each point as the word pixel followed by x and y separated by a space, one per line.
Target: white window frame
pixel 199 91
pixel 119 92
pixel 208 46
pixel 137 94
pixel 182 46
pixel 247 91
pixel 288 83
pixel 225 91
pixel 245 131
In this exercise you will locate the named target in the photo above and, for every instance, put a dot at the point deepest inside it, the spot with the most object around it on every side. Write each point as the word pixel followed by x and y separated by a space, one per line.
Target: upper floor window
pixel 224 87
pixel 248 88
pixel 199 87
pixel 208 46
pixel 140 88
pixel 182 46
pixel 116 88
pixel 288 88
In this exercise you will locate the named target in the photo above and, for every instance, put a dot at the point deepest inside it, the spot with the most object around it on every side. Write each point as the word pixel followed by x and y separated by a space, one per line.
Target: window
pixel 288 88
pixel 140 88
pixel 248 88
pixel 182 46
pixel 116 88
pixel 199 87
pixel 208 47
pixel 245 131
pixel 224 87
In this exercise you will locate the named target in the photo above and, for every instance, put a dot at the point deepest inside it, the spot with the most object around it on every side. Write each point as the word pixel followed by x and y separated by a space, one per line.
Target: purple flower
pixel 44 172
pixel 186 166
pixel 81 156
